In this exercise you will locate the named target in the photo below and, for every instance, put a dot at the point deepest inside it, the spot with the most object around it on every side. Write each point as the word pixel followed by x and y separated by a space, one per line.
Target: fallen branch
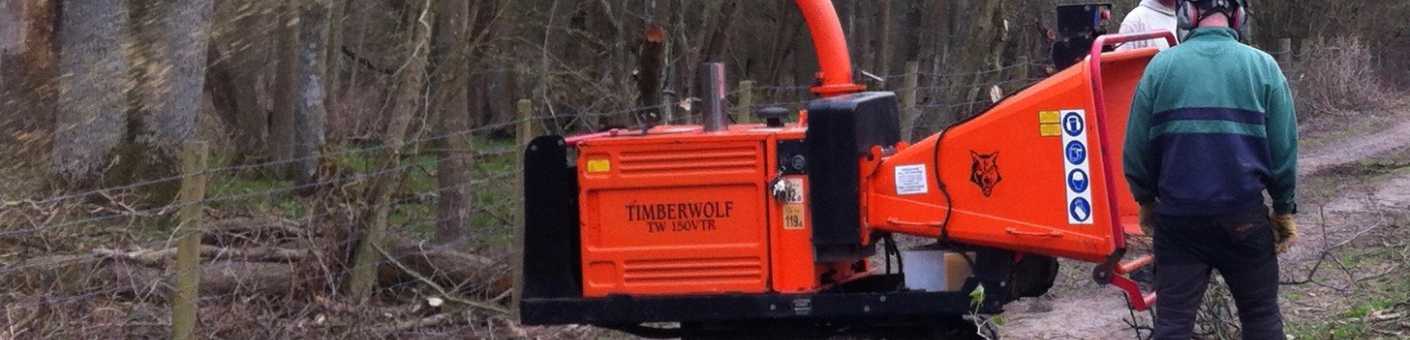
pixel 441 290
pixel 448 266
pixel 251 230
pixel 159 258
pixel 72 273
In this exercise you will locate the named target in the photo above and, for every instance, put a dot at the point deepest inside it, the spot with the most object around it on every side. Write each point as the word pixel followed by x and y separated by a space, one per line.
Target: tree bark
pixel 883 60
pixel 408 99
pixel 91 106
pixel 338 10
pixel 231 87
pixel 169 65
pixel 449 48
pixel 652 65
pixel 309 110
pixel 282 121
pixel 28 57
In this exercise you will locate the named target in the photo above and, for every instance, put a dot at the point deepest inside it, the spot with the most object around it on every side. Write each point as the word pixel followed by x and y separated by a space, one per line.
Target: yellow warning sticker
pixel 793 217
pixel 1049 117
pixel 1049 130
pixel 598 166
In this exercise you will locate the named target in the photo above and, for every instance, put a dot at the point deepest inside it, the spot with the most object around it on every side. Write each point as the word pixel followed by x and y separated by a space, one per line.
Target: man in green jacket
pixel 1212 126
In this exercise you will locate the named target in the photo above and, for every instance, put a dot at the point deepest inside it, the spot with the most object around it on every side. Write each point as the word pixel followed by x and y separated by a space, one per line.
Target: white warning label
pixel 1076 169
pixel 910 180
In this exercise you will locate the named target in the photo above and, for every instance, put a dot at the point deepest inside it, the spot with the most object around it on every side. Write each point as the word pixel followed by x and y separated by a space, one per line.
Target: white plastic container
pixel 934 270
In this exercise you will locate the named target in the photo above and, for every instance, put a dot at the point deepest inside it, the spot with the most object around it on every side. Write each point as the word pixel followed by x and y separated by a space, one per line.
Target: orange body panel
pixel 1005 170
pixel 679 211
pixel 791 242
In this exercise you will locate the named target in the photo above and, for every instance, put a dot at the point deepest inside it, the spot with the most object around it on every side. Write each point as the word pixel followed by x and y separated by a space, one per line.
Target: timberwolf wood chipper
pixel 756 226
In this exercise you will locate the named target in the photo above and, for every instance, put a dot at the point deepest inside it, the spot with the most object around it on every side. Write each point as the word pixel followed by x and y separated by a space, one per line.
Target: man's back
pixel 1150 15
pixel 1211 127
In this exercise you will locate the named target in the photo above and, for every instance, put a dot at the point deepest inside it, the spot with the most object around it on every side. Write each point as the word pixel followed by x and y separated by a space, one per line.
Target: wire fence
pixel 67 273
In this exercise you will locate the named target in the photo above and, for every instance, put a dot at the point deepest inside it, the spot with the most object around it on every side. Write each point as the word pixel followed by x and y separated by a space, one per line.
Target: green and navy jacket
pixel 1212 126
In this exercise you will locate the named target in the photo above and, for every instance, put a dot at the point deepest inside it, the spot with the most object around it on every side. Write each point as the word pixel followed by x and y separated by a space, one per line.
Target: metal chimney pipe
pixel 712 85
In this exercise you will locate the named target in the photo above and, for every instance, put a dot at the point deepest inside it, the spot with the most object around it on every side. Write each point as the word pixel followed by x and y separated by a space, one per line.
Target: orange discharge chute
pixel 835 78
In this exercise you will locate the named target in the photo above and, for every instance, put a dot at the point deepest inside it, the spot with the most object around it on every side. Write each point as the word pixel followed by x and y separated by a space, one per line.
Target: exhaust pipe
pixel 712 85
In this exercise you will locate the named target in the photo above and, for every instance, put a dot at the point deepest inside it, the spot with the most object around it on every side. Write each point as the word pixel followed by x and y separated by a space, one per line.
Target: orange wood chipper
pixel 754 227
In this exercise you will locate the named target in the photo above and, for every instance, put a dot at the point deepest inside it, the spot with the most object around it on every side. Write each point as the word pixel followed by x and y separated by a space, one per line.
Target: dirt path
pixel 1354 149
pixel 1078 309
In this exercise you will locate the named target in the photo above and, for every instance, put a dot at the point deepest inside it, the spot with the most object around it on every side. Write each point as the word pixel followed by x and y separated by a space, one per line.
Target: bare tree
pixel 28 57
pixel 169 66
pixel 448 92
pixel 409 99
pixel 282 125
pixel 92 109
pixel 884 45
pixel 309 110
pixel 235 57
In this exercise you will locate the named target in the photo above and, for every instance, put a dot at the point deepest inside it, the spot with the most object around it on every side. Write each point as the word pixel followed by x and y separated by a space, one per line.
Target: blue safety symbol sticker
pixel 1077 181
pixel 1076 152
pixel 1080 210
pixel 1073 124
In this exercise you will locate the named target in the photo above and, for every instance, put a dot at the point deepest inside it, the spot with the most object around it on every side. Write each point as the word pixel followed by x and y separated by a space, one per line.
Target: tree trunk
pixel 652 66
pixel 231 87
pixel 169 64
pixel 92 109
pixel 410 85
pixel 915 30
pixel 709 42
pixel 449 58
pixel 719 36
pixel 310 111
pixel 282 121
pixel 883 60
pixel 338 10
pixel 28 56
pixel 237 61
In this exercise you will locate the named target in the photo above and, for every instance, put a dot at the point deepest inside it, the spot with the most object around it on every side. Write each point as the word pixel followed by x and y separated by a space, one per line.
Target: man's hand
pixel 1284 231
pixel 1148 219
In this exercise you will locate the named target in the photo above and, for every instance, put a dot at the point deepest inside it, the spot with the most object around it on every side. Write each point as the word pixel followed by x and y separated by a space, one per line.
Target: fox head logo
pixel 984 171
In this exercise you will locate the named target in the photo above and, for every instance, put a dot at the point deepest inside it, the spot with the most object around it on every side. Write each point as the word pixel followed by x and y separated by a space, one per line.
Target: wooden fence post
pixel 188 254
pixel 524 135
pixel 909 99
pixel 744 110
pixel 1285 51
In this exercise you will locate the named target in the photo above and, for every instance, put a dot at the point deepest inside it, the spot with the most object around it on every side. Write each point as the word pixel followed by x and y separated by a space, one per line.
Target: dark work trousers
pixel 1241 247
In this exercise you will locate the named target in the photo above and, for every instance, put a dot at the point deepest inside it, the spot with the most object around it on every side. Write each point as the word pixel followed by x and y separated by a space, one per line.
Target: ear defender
pixel 1182 15
pixel 1241 21
pixel 1238 18
pixel 1236 11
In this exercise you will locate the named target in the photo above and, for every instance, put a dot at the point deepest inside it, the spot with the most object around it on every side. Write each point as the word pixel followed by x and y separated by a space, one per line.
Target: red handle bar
pixel 1099 98
pixel 1136 299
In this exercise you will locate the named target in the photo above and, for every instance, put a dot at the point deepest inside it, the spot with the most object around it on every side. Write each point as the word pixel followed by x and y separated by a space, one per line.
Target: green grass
pixel 238 192
pixel 494 192
pixel 1381 295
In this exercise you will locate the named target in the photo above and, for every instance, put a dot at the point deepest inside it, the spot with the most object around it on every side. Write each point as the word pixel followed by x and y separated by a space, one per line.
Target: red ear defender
pixel 1237 20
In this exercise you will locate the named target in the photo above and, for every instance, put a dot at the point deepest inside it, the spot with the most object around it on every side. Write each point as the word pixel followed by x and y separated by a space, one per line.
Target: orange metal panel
pixel 791 244
pixel 679 211
pixel 1007 178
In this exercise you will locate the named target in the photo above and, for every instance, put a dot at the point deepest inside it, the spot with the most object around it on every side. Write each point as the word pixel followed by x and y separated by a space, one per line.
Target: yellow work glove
pixel 1284 231
pixel 1148 219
